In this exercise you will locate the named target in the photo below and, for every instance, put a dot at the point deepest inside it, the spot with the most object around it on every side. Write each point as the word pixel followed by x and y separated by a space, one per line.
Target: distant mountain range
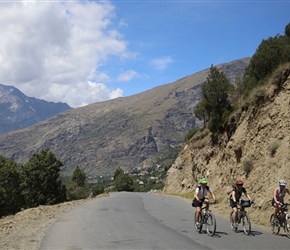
pixel 18 111
pixel 125 132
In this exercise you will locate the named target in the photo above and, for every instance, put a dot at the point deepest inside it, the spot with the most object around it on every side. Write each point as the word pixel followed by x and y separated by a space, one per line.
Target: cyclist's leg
pixel 277 208
pixel 235 211
pixel 242 209
pixel 197 205
pixel 197 214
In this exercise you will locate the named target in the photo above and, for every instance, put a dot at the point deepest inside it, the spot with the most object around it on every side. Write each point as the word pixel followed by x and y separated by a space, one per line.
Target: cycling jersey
pixel 238 193
pixel 280 194
pixel 202 192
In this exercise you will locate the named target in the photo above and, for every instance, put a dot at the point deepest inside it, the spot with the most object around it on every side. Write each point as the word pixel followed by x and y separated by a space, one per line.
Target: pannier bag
pixel 245 203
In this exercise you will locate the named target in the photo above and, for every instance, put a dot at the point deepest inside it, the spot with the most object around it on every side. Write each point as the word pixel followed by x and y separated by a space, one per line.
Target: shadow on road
pixel 256 233
pixel 282 235
pixel 252 233
pixel 216 235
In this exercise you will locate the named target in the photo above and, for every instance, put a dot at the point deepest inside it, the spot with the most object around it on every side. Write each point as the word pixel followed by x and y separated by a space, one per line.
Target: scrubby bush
pixel 97 189
pixel 77 186
pixel 273 148
pixel 247 166
pixel 123 182
pixel 190 134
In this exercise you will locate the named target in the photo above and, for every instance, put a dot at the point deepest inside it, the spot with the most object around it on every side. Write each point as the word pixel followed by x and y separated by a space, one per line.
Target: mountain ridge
pixel 18 111
pixel 125 132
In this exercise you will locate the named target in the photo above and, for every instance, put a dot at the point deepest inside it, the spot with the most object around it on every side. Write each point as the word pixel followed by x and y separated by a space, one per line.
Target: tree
pixel 269 55
pixel 123 182
pixel 75 192
pixel 240 88
pixel 118 171
pixel 77 186
pixel 40 180
pixel 97 189
pixel 215 103
pixel 79 177
pixel 287 30
pixel 11 199
pixel 200 111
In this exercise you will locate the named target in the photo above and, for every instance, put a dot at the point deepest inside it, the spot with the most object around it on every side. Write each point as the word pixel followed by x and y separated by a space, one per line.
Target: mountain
pixel 125 132
pixel 255 148
pixel 18 111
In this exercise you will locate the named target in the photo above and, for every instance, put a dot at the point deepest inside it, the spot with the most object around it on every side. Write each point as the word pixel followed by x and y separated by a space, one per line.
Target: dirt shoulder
pixel 26 229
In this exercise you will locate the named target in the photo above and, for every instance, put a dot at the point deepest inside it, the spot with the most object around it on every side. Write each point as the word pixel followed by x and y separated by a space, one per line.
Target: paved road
pixel 146 221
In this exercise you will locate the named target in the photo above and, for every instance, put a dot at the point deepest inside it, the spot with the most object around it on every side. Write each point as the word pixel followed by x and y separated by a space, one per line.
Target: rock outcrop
pixel 254 147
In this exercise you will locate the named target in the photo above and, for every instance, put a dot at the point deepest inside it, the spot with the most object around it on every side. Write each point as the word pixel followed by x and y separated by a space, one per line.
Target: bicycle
pixel 282 220
pixel 242 217
pixel 206 218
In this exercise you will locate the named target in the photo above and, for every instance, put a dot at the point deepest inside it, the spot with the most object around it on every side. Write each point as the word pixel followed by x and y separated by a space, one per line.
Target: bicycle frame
pixel 206 218
pixel 242 218
pixel 282 220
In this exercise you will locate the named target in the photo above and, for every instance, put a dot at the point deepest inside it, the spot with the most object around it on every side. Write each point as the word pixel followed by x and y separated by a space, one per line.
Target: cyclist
pixel 235 196
pixel 200 197
pixel 278 197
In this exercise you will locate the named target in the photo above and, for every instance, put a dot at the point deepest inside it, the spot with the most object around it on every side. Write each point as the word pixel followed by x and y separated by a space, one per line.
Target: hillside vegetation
pixel 252 144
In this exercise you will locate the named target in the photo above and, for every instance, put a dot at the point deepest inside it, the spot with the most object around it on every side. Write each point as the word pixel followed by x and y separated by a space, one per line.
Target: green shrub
pixel 273 148
pixel 247 166
pixel 97 189
pixel 190 134
pixel 76 192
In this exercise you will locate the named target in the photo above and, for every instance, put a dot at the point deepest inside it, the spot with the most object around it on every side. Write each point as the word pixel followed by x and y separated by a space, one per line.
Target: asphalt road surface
pixel 143 221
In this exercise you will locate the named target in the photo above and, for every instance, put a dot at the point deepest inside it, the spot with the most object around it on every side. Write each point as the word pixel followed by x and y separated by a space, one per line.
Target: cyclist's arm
pixel 275 195
pixel 212 195
pixel 196 195
pixel 248 196
pixel 234 196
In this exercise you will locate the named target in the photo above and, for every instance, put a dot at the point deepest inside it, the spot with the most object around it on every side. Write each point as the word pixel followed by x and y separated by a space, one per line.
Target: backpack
pixel 199 188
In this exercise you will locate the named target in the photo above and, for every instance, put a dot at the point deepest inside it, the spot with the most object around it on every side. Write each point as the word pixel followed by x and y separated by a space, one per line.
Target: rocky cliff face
pixel 255 147
pixel 18 111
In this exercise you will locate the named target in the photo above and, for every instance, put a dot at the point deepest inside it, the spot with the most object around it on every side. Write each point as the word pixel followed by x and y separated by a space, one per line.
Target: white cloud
pixel 127 76
pixel 53 50
pixel 161 63
pixel 97 91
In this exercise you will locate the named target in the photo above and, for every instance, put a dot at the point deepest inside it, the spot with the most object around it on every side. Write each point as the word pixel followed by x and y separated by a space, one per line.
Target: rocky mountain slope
pixel 254 148
pixel 18 111
pixel 124 132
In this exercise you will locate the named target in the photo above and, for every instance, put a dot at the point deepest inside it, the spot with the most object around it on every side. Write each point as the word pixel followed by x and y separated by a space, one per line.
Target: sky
pixel 82 52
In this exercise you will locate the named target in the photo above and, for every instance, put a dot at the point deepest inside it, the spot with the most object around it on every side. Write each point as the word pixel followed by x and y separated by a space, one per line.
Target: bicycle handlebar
pixel 241 205
pixel 284 207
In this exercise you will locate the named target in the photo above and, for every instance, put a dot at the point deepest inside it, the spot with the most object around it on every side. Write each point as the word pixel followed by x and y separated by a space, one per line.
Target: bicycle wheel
pixel 246 224
pixel 232 222
pixel 287 226
pixel 274 224
pixel 198 229
pixel 210 224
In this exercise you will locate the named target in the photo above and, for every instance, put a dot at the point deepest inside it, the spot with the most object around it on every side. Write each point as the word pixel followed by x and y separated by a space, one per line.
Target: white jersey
pixel 202 192
pixel 280 194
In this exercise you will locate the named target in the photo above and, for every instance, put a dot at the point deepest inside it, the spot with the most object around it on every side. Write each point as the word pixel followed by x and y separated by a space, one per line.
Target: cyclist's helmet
pixel 282 183
pixel 239 182
pixel 203 181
